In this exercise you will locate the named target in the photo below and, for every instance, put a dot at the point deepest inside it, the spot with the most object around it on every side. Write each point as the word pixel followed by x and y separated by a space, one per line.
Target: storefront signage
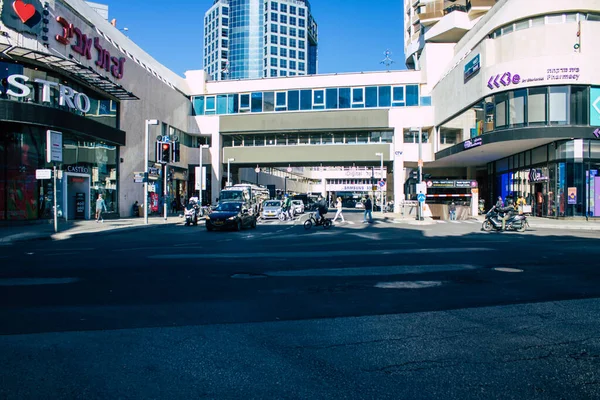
pixel 551 74
pixel 451 184
pixel 78 170
pixel 54 149
pixel 595 107
pixel 472 67
pixel 473 143
pixel 537 175
pixel 66 95
pixel 22 16
pixel 82 44
pixel 572 194
pixel 350 188
pixel 359 173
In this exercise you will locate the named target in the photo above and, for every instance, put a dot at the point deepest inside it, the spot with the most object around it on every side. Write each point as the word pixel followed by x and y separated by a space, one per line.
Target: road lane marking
pixel 373 271
pixel 319 254
pixel 36 281
pixel 62 254
pixel 408 285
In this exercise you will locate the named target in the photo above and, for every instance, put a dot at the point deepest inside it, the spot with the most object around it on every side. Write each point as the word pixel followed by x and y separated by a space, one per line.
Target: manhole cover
pixel 408 285
pixel 248 276
pixel 502 269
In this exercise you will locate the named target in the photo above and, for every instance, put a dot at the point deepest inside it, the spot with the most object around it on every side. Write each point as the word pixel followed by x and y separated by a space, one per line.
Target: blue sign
pixel 472 67
pixel 595 106
pixel 421 197
pixel 381 183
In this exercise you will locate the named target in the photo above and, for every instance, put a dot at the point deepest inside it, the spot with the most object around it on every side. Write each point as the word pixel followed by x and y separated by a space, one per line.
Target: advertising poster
pixel 572 193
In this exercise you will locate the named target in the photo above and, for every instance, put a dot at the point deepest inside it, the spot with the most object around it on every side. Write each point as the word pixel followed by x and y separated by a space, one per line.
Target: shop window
pixel 344 98
pixel 488 110
pixel 412 95
pixel 517 101
pixel 536 106
pixel 500 113
pixel 385 96
pixel 579 105
pixel 331 98
pixel 559 105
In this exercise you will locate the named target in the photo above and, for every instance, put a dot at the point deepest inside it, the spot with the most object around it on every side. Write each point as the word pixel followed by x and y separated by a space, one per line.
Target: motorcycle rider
pixel 321 210
pixel 287 207
pixel 507 212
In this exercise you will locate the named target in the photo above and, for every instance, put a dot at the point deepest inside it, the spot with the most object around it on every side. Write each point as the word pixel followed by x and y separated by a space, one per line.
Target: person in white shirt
pixel 338 206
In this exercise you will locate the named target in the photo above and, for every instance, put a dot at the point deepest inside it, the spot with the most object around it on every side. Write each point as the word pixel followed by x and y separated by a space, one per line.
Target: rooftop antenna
pixel 387 61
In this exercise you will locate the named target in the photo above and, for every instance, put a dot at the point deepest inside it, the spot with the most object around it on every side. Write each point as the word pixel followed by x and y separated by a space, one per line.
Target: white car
pixel 298 207
pixel 271 209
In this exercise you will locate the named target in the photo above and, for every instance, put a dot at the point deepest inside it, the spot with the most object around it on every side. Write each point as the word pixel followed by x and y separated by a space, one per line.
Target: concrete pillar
pixel 399 176
pixel 217 165
pixel 324 187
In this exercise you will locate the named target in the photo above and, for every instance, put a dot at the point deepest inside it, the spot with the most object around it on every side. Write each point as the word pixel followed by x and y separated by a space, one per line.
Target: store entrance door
pixel 540 198
pixel 76 196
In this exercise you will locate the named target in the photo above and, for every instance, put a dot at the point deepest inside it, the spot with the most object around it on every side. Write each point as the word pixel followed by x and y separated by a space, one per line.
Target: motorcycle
pixel 191 214
pixel 493 221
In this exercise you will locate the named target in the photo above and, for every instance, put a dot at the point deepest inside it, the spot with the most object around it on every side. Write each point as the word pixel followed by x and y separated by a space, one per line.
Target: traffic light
pixel 175 152
pixel 165 152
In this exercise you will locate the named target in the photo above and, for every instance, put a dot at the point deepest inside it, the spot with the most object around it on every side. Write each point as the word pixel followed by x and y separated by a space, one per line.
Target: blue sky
pixel 353 34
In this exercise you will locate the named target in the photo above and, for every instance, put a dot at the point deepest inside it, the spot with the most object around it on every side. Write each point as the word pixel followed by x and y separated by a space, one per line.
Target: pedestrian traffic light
pixel 175 152
pixel 165 153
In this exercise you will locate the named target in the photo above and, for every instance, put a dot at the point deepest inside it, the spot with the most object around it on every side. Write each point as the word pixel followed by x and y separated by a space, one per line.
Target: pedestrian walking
pixel 452 211
pixel 338 206
pixel 100 207
pixel 368 210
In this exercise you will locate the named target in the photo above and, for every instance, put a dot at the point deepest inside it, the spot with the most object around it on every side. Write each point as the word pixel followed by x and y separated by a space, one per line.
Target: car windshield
pixel 231 195
pixel 229 207
pixel 272 204
pixel 297 202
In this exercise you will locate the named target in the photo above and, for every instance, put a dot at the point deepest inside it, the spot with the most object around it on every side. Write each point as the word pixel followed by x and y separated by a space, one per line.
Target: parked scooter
pixel 192 213
pixel 493 221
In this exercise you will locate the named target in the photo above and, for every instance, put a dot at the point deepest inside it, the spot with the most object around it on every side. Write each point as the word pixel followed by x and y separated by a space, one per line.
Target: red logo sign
pixel 24 11
pixel 83 46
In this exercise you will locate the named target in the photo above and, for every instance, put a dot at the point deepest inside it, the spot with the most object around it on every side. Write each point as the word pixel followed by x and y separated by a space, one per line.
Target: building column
pixel 217 166
pixel 399 174
pixel 324 187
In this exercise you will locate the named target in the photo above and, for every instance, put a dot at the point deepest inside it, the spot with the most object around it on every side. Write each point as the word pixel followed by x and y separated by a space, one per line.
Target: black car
pixel 231 215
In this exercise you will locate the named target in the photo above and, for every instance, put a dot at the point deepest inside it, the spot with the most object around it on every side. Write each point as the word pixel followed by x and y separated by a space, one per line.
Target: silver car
pixel 298 207
pixel 271 209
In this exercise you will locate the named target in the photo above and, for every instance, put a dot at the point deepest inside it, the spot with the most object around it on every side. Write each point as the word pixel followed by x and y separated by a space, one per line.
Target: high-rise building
pixel 440 22
pixel 249 39
pixel 101 9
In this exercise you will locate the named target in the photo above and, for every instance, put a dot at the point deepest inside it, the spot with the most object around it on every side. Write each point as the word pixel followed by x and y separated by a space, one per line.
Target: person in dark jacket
pixel 368 210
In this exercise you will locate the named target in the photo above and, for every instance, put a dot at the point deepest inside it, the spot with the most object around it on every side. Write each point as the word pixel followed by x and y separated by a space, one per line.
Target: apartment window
pixel 344 97
pixel 283 40
pixel 331 96
pixel 536 106
pixel 301 55
pixel 385 96
pixel 273 73
pixel 244 103
pixel 282 73
pixel 274 17
pixel 301 44
pixel 398 96
pixel 292 31
pixel 301 12
pixel 283 19
pixel 283 63
pixel 283 30
pixel 292 64
pixel 319 99
pixel 283 8
pixel 273 62
pixel 301 22
pixel 358 97
pixel 293 10
pixel 274 50
pixel 306 99
pixel 293 100
pixel 280 101
pixel 274 39
pixel 274 28
pixel 273 6
pixel 292 20
pixel 292 42
pixel 301 66
pixel 301 33
pixel 412 95
pixel 371 96
pixel 283 52
pixel 256 102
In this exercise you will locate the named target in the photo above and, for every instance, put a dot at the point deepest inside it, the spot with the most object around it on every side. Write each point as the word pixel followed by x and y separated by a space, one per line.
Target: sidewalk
pixel 10 234
pixel 534 222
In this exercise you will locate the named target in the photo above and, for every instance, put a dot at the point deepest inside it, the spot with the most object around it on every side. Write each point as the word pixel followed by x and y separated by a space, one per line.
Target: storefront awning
pixel 70 65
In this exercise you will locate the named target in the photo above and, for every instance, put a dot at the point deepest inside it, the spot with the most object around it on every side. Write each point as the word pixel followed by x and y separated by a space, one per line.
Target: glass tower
pixel 250 39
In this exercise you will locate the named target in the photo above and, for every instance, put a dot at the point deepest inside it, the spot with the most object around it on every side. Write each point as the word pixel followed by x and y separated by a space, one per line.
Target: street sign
pixel 381 183
pixel 421 197
pixel 422 188
pixel 43 173
pixel 54 151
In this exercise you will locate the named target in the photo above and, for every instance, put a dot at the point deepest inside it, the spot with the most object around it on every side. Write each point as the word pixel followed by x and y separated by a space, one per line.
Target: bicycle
pixel 313 221
pixel 285 215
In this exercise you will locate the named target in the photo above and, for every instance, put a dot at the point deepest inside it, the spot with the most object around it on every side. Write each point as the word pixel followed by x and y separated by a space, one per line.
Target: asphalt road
pixel 359 311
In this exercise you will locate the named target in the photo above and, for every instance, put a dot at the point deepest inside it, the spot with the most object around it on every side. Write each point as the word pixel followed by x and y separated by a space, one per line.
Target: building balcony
pixel 430 13
pixel 476 7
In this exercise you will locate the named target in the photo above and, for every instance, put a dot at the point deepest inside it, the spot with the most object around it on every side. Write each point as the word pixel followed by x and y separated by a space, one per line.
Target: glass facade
pixel 314 138
pixel 309 100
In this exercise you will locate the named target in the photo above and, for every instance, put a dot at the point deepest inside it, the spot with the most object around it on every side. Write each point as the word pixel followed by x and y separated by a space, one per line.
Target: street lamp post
pixel 257 170
pixel 200 179
pixel 148 123
pixel 229 160
pixel 381 187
